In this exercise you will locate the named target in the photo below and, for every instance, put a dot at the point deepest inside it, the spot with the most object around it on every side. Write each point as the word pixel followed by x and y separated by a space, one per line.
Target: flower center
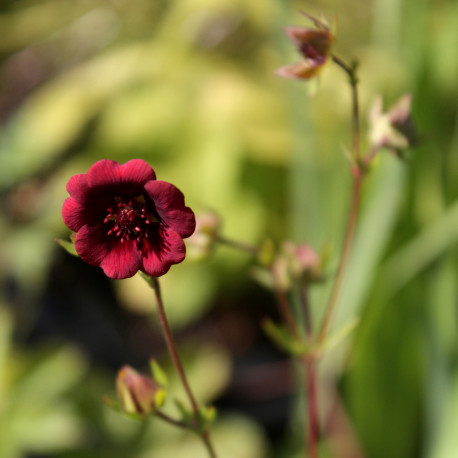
pixel 130 219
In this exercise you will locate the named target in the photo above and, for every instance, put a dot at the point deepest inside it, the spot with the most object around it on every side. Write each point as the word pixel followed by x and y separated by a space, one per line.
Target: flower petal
pixel 123 260
pixel 104 173
pixel 78 187
pixel 74 214
pixel 303 70
pixel 91 244
pixel 118 260
pixel 137 171
pixel 311 42
pixel 169 203
pixel 127 178
pixel 168 248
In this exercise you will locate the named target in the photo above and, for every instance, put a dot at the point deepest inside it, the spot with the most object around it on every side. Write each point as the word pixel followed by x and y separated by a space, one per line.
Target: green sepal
pixel 263 277
pixel 208 416
pixel 68 246
pixel 159 398
pixel 115 405
pixel 158 373
pixel 266 253
pixel 281 336
pixel 153 282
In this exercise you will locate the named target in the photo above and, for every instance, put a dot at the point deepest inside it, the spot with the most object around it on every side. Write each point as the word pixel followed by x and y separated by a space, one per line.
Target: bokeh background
pixel 189 87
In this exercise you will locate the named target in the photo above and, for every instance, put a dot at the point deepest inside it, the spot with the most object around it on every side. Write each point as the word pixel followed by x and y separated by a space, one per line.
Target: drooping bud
pixel 137 393
pixel 314 45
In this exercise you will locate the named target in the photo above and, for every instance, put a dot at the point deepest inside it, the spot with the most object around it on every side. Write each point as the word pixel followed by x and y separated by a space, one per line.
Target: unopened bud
pixel 137 393
pixel 393 129
pixel 304 262
pixel 297 263
pixel 202 241
pixel 314 45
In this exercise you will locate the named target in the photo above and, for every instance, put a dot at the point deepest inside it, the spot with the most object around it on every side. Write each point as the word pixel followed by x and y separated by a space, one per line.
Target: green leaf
pixel 186 415
pixel 68 246
pixel 158 373
pixel 339 336
pixel 281 336
pixel 207 416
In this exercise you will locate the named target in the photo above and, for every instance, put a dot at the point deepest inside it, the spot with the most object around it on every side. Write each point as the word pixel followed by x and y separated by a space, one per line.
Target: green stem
pixel 170 420
pixel 250 249
pixel 351 72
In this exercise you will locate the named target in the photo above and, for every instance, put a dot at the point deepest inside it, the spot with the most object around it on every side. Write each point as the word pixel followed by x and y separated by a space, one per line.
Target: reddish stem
pixel 170 341
pixel 345 255
pixel 312 405
pixel 283 306
pixel 358 173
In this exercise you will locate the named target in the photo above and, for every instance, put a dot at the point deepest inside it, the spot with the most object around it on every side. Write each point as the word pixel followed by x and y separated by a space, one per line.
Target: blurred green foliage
pixel 189 87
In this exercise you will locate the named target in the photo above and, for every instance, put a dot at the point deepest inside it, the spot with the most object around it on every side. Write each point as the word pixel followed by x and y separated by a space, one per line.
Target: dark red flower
pixel 125 220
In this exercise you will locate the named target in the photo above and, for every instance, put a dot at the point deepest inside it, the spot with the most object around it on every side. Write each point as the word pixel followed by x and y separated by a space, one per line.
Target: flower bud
pixel 304 262
pixel 137 393
pixel 297 263
pixel 201 243
pixel 314 45
pixel 393 129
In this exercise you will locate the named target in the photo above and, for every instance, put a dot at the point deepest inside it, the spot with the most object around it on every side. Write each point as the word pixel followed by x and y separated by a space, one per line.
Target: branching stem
pixel 250 249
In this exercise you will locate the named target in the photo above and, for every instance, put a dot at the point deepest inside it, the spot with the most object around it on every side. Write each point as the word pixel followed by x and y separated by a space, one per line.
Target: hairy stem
pixel 170 341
